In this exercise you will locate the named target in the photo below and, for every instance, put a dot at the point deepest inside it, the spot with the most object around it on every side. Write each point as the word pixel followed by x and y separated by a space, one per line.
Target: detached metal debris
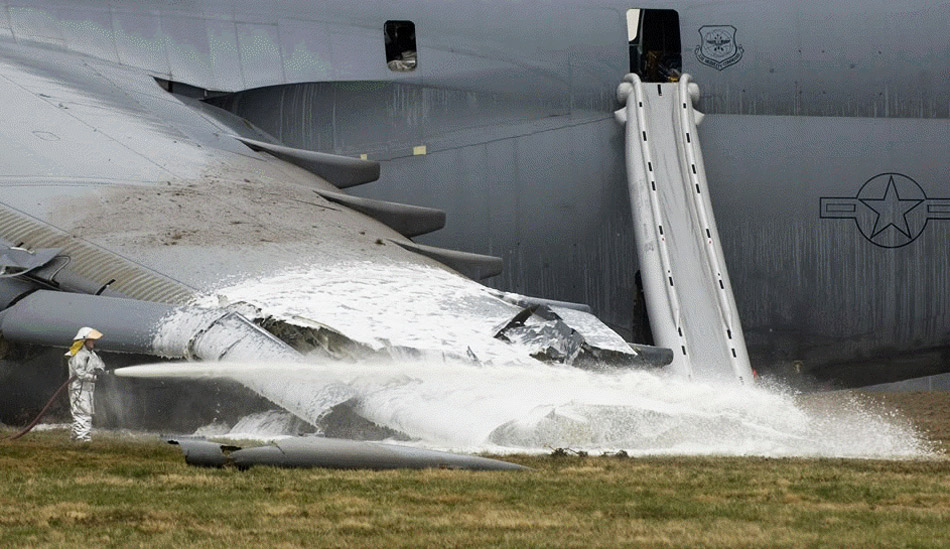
pixel 331 453
pixel 568 335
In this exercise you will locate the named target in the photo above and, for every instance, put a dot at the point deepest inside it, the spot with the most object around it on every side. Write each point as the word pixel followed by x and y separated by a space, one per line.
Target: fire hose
pixel 45 409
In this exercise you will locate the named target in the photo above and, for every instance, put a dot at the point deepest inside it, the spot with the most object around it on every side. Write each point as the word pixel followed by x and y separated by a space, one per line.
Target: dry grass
pixel 120 492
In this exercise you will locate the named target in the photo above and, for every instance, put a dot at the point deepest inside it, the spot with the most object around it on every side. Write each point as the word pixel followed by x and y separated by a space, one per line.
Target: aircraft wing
pixel 182 231
pixel 99 159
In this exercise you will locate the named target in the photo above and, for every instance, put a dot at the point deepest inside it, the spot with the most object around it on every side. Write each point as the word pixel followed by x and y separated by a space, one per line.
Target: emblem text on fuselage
pixel 718 47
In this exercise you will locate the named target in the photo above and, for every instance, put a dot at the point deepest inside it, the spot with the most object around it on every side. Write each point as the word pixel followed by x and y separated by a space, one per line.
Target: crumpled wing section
pixel 17 261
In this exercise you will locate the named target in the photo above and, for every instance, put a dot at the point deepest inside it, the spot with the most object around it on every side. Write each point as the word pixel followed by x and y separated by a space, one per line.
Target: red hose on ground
pixel 43 411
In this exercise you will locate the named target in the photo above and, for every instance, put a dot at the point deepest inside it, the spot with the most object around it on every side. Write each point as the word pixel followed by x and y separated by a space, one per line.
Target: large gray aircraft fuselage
pixel 826 141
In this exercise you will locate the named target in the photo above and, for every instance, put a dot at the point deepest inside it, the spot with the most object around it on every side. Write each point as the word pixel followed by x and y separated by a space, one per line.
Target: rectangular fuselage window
pixel 401 53
pixel 655 48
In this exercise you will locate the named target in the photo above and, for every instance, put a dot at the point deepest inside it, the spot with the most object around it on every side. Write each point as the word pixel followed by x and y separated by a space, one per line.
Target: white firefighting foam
pixel 386 305
pixel 472 392
pixel 536 408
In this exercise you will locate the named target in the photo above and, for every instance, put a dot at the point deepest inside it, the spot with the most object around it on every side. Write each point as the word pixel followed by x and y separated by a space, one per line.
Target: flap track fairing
pixel 406 219
pixel 474 266
pixel 342 171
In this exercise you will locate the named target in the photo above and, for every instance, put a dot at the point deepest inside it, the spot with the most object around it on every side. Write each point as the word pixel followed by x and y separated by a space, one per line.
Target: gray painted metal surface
pixel 135 185
pixel 405 219
pixel 513 106
pixel 52 318
pixel 342 171
pixel 474 266
pixel 685 278
pixel 333 453
pixel 528 301
pixel 203 453
pixel 806 58
pixel 813 292
pixel 798 61
pixel 12 289
pixel 45 268
pixel 654 356
pixel 17 261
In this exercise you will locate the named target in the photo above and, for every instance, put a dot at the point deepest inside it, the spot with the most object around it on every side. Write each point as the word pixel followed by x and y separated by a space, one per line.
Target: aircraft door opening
pixel 401 51
pixel 653 36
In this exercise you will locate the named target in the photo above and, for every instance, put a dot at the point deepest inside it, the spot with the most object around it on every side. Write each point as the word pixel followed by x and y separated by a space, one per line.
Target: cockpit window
pixel 401 53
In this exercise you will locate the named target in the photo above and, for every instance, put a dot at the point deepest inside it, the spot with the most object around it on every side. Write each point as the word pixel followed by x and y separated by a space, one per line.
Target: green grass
pixel 138 492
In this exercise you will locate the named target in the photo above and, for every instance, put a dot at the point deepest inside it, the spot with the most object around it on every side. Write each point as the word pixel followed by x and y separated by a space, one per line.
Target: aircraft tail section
pixel 689 297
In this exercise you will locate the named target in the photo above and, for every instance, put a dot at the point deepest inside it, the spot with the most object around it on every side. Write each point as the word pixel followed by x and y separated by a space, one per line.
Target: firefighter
pixel 84 366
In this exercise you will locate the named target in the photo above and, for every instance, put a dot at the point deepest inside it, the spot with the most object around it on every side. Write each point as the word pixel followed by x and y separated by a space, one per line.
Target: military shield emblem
pixel 718 47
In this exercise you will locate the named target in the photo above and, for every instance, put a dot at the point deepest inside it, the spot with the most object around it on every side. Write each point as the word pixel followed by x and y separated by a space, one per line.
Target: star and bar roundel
pixel 891 210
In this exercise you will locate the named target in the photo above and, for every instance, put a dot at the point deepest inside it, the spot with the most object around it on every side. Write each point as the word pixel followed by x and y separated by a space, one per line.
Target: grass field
pixel 138 492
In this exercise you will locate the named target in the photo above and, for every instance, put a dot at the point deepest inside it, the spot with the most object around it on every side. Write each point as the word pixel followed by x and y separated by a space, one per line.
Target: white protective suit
pixel 85 364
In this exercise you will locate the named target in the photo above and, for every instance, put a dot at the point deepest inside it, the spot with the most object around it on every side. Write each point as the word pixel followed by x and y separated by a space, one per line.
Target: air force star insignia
pixel 718 47
pixel 891 210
